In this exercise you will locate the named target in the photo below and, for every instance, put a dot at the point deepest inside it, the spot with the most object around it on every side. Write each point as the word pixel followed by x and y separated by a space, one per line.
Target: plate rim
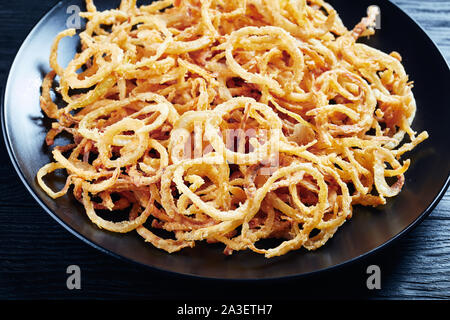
pixel 14 161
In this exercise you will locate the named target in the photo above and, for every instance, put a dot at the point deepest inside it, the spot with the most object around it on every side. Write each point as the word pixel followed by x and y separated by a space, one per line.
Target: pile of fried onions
pixel 227 122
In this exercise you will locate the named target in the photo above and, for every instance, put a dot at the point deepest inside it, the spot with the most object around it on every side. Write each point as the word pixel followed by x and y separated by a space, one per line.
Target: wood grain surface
pixel 35 250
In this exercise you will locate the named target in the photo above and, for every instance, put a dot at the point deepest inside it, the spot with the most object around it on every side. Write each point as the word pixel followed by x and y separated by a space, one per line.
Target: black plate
pixel 24 129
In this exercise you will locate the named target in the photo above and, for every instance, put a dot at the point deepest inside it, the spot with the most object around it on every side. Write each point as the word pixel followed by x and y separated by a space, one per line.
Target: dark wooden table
pixel 35 250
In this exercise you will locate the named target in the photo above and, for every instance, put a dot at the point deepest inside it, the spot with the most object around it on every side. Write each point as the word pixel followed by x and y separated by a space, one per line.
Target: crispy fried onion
pixel 257 124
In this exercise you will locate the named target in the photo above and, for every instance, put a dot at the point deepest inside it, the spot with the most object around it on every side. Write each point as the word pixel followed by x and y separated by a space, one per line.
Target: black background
pixel 35 251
